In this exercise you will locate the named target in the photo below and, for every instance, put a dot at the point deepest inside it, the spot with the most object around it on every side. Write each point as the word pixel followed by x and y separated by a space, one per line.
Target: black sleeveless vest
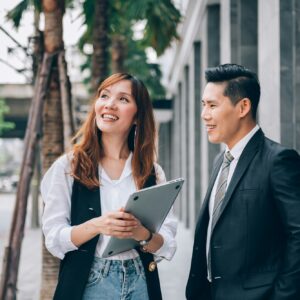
pixel 75 267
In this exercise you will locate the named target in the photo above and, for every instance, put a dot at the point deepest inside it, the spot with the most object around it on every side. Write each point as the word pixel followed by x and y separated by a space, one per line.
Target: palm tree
pixel 96 20
pixel 161 18
pixel 53 141
pixel 100 43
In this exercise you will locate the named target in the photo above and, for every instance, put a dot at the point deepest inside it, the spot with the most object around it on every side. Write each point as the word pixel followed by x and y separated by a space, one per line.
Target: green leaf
pixel 15 14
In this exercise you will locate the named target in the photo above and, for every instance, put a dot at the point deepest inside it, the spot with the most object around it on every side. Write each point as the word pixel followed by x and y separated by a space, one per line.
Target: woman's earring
pixel 135 134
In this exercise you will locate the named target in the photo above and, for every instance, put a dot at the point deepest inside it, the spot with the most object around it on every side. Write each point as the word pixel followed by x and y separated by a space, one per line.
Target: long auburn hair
pixel 88 151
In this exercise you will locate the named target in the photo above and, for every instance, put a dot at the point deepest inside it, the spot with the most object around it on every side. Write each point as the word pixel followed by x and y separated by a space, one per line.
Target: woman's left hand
pixel 141 233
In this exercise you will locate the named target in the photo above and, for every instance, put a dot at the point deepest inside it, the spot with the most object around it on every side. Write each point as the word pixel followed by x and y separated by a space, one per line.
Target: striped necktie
pixel 222 182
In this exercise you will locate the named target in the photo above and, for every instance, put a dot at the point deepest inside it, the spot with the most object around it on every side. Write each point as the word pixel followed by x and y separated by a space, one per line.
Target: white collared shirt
pixel 236 152
pixel 56 190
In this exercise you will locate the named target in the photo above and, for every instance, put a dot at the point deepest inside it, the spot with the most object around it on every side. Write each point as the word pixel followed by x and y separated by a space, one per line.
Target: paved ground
pixel 173 275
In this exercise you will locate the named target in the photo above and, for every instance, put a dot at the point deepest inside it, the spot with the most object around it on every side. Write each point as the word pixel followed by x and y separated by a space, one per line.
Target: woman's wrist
pixel 154 244
pixel 91 227
pixel 83 232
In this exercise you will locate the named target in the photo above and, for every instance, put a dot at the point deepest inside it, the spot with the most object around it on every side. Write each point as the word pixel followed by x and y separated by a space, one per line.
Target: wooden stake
pixel 10 269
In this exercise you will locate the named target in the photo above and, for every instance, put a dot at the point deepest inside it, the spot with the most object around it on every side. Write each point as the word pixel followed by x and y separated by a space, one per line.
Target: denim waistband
pixel 106 265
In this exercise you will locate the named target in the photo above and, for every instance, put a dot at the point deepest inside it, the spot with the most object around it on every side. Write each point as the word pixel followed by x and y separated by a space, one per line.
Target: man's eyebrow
pixel 209 101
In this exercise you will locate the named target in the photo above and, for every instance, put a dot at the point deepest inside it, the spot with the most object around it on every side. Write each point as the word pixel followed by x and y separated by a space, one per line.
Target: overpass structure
pixel 18 98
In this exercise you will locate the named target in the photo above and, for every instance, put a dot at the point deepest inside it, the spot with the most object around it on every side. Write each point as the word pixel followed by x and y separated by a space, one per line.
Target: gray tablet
pixel 150 206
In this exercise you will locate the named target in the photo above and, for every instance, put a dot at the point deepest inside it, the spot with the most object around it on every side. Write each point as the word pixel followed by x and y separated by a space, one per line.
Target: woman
pixel 85 191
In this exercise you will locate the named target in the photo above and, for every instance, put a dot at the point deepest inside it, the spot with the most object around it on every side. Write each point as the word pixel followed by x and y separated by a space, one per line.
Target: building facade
pixel 263 35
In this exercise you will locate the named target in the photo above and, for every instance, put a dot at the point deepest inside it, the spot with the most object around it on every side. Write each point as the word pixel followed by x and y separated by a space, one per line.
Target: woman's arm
pixel 118 224
pixel 60 236
pixel 56 189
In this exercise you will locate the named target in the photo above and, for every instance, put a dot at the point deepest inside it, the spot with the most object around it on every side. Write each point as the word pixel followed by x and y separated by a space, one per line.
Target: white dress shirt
pixel 56 190
pixel 236 152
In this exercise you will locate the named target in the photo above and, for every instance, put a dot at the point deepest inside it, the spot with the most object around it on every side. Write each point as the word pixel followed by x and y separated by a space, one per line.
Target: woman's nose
pixel 111 103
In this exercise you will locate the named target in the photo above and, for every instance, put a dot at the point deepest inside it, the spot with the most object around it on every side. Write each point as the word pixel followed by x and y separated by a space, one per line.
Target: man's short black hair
pixel 241 83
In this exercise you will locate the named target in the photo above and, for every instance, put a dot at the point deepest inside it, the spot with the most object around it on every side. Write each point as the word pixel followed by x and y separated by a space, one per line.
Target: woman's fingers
pixel 123 215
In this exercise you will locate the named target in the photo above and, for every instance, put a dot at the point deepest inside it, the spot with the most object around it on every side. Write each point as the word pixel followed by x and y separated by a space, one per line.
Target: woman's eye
pixel 103 96
pixel 123 99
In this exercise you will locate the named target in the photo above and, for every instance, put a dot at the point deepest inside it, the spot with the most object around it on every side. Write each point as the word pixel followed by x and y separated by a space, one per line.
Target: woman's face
pixel 116 109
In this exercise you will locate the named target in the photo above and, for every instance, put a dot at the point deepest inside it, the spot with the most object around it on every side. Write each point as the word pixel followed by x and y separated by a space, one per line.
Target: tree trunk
pixel 66 102
pixel 38 51
pixel 100 44
pixel 8 289
pixel 53 141
pixel 35 188
pixel 38 45
pixel 118 53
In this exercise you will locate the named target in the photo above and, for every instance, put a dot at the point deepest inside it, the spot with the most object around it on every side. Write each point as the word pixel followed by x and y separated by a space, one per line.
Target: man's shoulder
pixel 274 149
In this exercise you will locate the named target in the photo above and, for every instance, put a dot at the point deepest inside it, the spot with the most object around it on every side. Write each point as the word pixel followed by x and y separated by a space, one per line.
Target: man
pixel 247 239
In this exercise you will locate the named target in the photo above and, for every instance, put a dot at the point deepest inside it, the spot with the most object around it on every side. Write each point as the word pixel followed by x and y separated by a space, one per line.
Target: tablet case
pixel 150 206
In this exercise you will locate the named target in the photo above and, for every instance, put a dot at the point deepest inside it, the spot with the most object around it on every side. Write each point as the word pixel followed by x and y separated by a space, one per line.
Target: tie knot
pixel 228 158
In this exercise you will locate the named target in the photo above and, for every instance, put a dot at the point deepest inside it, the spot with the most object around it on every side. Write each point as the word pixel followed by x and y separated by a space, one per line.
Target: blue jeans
pixel 116 280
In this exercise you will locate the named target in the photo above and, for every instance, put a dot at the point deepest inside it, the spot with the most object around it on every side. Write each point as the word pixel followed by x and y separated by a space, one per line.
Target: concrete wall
pixel 263 35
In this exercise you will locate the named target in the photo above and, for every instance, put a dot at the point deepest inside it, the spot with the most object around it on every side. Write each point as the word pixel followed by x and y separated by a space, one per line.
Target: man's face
pixel 220 116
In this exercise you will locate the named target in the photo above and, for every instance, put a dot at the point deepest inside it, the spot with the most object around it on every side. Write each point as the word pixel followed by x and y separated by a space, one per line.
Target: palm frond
pixel 15 14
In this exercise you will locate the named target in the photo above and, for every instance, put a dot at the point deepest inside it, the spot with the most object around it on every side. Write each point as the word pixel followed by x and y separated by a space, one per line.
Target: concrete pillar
pixel 297 75
pixel 189 144
pixel 164 151
pixel 243 33
pixel 225 26
pixel 213 60
pixel 289 75
pixel 176 145
pixel 269 68
pixel 197 117
pixel 184 144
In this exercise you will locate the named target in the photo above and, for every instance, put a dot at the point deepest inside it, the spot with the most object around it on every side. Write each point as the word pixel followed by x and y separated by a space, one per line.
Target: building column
pixel 213 60
pixel 197 122
pixel 176 145
pixel 289 75
pixel 269 68
pixel 243 33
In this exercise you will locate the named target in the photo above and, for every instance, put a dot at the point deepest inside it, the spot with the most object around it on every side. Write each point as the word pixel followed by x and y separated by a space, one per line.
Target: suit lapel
pixel 210 186
pixel 245 159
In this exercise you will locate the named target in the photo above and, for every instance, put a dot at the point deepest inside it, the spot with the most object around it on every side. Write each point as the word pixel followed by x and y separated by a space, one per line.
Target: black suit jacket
pixel 255 242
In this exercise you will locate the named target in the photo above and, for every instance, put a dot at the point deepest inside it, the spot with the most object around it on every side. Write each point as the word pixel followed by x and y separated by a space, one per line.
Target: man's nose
pixel 204 114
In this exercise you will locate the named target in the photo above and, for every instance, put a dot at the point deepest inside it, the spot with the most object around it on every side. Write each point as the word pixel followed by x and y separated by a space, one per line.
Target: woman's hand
pixel 117 224
pixel 141 233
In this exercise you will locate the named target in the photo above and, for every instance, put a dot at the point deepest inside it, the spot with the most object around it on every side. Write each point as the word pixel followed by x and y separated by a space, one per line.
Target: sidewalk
pixel 173 275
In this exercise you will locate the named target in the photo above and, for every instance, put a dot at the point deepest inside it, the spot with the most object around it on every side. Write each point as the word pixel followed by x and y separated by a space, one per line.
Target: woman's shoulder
pixel 160 174
pixel 63 162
